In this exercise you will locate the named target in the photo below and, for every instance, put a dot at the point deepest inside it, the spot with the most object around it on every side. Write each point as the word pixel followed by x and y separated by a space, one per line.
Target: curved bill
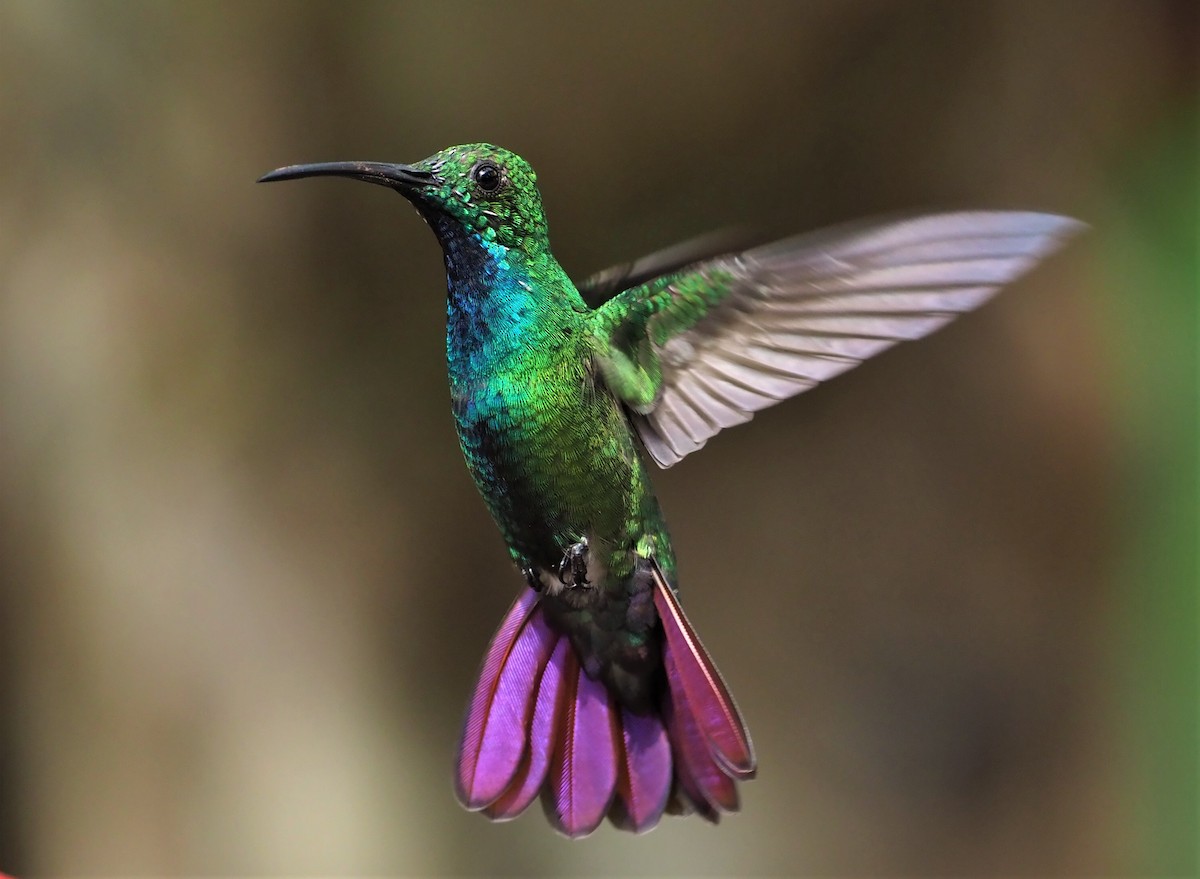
pixel 394 176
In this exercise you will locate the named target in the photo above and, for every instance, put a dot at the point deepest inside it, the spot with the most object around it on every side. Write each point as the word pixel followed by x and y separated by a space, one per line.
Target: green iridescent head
pixel 475 191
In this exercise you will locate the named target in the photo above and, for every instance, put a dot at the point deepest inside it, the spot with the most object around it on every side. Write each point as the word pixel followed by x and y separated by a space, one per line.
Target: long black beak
pixel 399 177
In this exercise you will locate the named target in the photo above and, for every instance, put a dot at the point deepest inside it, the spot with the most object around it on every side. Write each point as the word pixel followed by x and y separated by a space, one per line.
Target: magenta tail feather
pixel 700 775
pixel 697 676
pixel 494 736
pixel 644 782
pixel 583 771
pixel 543 736
pixel 538 723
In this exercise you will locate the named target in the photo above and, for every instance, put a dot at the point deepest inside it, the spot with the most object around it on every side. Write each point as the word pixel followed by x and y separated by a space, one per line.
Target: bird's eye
pixel 487 177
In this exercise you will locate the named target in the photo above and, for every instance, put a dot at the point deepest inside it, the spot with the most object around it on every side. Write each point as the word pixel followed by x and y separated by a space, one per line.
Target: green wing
pixel 706 347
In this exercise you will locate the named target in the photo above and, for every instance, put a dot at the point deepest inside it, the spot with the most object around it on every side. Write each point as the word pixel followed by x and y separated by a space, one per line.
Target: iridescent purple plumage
pixel 542 738
pixel 644 781
pixel 583 771
pixel 690 672
pixel 538 722
pixel 494 736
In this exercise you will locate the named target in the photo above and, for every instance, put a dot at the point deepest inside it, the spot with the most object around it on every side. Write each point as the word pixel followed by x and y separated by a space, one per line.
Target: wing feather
pixel 725 337
pixel 717 412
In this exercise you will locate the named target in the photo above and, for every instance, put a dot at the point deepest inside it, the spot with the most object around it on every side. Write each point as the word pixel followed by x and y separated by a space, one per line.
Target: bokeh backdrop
pixel 245 580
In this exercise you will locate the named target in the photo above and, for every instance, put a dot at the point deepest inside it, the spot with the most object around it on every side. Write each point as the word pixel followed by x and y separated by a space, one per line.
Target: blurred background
pixel 245 580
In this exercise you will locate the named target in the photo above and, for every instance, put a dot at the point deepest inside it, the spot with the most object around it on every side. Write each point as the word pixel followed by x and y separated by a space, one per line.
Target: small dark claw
pixel 532 578
pixel 572 571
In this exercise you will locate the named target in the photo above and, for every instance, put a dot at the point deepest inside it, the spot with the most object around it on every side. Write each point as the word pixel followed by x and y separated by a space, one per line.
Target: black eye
pixel 487 176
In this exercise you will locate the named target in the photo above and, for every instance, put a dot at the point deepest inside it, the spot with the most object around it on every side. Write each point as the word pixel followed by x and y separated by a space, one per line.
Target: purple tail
pixel 538 723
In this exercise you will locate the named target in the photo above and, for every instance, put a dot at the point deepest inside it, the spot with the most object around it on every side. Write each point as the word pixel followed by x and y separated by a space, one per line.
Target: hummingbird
pixel 596 694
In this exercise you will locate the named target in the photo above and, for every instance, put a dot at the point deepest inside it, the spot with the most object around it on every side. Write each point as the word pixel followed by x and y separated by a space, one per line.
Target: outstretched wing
pixel 706 347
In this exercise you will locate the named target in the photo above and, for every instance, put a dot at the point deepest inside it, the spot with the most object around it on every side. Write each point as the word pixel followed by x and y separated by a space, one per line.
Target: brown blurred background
pixel 245 581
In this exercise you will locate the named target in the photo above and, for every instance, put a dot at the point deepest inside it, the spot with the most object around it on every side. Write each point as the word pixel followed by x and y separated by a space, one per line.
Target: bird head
pixel 472 193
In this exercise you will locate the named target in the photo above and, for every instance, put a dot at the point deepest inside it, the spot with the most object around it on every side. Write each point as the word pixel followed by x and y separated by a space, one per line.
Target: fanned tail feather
pixel 538 723
pixel 583 770
pixel 697 773
pixel 543 735
pixel 693 679
pixel 644 783
pixel 495 735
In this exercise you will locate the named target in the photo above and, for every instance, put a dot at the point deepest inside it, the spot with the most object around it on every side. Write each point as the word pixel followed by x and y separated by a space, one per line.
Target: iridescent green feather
pixel 632 326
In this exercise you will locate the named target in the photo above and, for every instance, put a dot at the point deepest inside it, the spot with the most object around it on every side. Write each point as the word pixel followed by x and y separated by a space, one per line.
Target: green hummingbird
pixel 596 691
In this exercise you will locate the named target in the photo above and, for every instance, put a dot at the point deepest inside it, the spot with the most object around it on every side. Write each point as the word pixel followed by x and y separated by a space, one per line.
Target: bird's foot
pixel 572 571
